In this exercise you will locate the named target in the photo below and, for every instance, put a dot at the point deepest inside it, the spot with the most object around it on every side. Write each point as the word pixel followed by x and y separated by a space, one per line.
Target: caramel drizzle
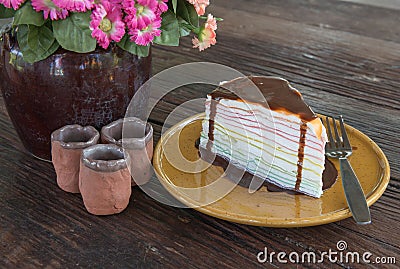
pixel 300 154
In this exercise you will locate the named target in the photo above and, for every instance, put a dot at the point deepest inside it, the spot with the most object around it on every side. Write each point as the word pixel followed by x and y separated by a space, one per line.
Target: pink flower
pixel 207 35
pixel 146 35
pixel 162 6
pixel 140 14
pixel 200 5
pixel 107 24
pixel 75 5
pixel 144 19
pixel 211 22
pixel 129 6
pixel 49 8
pixel 15 4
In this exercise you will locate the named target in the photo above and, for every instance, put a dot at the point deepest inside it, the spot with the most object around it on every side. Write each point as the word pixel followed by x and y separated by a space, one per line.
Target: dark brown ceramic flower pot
pixel 137 143
pixel 67 88
pixel 67 144
pixel 104 179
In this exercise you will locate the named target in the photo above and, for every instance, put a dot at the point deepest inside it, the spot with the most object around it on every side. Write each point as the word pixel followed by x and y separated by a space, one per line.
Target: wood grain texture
pixel 344 57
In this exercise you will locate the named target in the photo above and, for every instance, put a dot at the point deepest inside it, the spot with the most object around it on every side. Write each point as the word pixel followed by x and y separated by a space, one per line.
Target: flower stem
pixel 205 18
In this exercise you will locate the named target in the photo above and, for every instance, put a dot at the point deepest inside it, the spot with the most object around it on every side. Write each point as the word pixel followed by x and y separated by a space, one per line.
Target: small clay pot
pixel 104 179
pixel 136 138
pixel 67 144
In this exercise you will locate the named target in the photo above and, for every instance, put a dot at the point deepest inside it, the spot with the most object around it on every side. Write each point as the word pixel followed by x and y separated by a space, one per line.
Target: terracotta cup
pixel 67 144
pixel 104 179
pixel 137 143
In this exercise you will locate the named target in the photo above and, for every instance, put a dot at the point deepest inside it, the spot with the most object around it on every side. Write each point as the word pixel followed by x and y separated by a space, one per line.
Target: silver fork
pixel 339 147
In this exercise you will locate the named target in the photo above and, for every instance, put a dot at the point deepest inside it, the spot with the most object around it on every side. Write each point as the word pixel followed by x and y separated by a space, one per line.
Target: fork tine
pixel 346 141
pixel 338 138
pixel 332 141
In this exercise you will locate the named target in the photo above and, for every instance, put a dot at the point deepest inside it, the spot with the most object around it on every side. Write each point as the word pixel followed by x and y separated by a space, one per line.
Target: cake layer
pixel 284 148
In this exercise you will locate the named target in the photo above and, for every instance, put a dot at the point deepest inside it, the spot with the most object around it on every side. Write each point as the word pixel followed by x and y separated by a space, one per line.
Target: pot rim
pixel 129 143
pixel 102 165
pixel 94 136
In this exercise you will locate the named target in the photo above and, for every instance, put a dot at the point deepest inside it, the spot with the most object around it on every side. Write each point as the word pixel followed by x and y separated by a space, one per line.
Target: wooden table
pixel 345 59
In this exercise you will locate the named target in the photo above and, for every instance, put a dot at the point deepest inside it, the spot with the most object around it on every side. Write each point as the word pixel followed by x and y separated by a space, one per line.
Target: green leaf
pixel 36 43
pixel 27 15
pixel 187 12
pixel 6 12
pixel 174 5
pixel 184 31
pixel 169 30
pixel 73 33
pixel 126 44
pixel 184 27
pixel 54 47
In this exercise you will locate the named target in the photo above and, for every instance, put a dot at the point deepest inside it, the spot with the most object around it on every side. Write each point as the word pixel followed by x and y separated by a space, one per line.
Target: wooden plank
pixel 390 4
pixel 358 19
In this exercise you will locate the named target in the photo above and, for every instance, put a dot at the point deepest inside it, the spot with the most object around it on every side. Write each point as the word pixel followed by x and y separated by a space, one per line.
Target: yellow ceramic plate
pixel 264 208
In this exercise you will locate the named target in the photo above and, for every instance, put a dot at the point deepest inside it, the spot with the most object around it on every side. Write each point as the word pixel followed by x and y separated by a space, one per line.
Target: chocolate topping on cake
pixel 277 92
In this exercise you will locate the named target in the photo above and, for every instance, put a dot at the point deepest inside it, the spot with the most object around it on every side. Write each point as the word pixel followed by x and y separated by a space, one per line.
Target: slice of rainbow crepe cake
pixel 274 136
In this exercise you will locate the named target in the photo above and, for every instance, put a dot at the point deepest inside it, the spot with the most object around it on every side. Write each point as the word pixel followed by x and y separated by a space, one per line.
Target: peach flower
pixel 200 5
pixel 207 35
